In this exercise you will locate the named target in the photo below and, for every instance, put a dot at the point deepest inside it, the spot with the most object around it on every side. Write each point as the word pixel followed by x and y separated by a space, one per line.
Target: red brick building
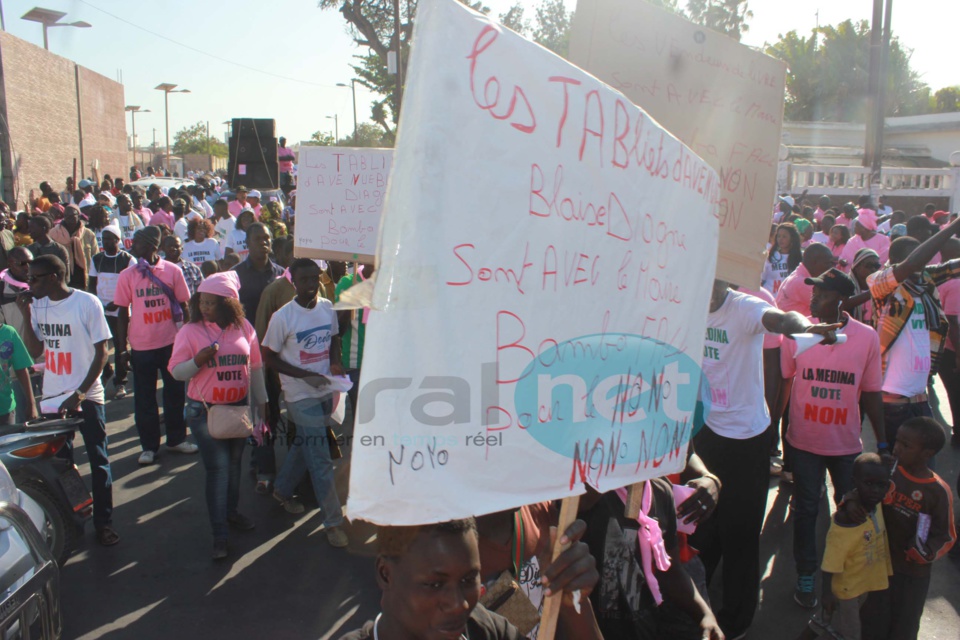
pixel 52 112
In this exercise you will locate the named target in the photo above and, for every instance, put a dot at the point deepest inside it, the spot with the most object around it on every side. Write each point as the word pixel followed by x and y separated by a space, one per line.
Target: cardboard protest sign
pixel 340 193
pixel 723 99
pixel 544 272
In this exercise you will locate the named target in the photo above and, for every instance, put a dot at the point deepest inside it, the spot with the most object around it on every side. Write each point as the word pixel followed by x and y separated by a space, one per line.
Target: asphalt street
pixel 283 581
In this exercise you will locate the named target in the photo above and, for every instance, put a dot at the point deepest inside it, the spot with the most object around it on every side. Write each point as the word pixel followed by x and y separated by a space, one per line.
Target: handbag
pixel 226 421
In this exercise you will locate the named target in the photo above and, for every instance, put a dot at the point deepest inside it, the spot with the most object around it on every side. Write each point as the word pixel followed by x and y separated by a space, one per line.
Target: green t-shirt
pixel 13 357
pixel 352 341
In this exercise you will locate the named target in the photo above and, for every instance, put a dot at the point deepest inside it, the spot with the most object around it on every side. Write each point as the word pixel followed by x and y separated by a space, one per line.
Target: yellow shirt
pixel 859 557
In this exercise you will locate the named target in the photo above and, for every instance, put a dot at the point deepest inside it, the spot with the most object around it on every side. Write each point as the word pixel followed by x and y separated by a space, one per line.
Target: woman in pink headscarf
pixel 218 352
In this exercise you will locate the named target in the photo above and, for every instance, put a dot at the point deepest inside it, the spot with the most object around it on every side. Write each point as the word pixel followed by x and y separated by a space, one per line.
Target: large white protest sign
pixel 545 266
pixel 340 193
pixel 720 97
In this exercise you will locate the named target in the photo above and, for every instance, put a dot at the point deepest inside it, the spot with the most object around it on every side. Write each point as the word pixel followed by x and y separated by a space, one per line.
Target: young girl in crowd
pixel 839 236
pixel 783 259
pixel 202 246
pixel 218 352
pixel 236 240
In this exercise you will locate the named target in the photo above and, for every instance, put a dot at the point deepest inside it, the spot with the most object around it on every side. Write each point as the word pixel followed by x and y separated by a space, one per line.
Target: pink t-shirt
pixel 770 340
pixel 162 217
pixel 827 382
pixel 235 208
pixel 950 301
pixel 879 243
pixel 226 378
pixel 285 158
pixel 145 214
pixel 151 319
pixel 794 294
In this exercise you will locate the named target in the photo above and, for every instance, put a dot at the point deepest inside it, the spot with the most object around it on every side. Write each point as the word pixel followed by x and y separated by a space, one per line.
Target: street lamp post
pixel 50 18
pixel 336 129
pixel 353 90
pixel 167 89
pixel 134 109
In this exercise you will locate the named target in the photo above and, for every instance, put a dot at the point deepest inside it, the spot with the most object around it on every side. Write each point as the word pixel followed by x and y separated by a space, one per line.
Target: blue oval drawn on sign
pixel 642 398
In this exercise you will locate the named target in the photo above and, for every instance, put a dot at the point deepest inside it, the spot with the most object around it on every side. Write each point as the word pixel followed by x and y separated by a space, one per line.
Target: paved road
pixel 284 582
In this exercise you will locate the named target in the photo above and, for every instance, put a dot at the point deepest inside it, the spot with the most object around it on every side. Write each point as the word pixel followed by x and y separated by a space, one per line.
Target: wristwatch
pixel 81 396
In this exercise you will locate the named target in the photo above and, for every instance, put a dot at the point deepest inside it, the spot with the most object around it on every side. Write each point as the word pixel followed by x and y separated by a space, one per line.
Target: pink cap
pixel 867 218
pixel 225 285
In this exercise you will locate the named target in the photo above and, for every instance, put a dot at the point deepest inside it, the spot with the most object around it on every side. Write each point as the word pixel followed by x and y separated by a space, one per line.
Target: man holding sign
pixel 735 445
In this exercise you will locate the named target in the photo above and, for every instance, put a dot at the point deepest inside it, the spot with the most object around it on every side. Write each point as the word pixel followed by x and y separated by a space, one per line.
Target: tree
pixel 513 19
pixel 323 139
pixel 947 100
pixel 194 139
pixel 726 16
pixel 552 28
pixel 368 135
pixel 828 72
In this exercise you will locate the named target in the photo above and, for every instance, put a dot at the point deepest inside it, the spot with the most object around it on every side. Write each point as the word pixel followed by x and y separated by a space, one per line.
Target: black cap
pixel 834 280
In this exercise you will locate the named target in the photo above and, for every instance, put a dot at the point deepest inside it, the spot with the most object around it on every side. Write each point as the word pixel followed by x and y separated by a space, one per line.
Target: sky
pixel 282 59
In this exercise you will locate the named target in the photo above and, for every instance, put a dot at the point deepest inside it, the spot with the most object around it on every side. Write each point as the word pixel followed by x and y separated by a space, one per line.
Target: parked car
pixel 144 183
pixel 266 195
pixel 29 575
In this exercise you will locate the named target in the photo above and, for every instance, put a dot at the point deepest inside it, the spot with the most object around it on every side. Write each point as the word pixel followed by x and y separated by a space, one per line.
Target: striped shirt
pixel 894 303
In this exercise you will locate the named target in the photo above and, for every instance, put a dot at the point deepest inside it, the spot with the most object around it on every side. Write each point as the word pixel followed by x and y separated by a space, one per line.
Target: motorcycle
pixel 29 452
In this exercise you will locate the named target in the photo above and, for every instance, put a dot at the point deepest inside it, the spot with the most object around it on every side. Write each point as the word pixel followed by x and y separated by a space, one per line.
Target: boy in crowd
pixel 918 512
pixel 856 559
pixel 105 268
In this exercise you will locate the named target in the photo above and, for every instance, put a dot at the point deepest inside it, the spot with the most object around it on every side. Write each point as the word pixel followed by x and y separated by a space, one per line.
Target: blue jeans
pixel 93 429
pixel 809 471
pixel 310 452
pixel 146 414
pixel 221 459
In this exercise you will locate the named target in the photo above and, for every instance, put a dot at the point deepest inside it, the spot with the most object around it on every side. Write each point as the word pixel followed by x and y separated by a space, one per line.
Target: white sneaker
pixel 184 447
pixel 147 457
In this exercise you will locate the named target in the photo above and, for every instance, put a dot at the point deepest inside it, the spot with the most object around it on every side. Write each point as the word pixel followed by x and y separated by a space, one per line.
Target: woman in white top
pixel 783 259
pixel 236 240
pixel 202 246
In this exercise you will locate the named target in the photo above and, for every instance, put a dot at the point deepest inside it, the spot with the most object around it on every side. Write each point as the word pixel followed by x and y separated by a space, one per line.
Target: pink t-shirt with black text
pixel 794 294
pixel 226 378
pixel 151 318
pixel 827 383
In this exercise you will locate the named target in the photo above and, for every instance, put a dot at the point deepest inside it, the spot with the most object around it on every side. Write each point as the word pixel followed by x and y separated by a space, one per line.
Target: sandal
pixel 107 537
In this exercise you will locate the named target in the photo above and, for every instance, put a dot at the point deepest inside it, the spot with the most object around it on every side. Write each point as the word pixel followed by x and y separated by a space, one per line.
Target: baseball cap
pixel 834 280
pixel 254 194
pixel 240 188
pixel 83 184
pixel 788 199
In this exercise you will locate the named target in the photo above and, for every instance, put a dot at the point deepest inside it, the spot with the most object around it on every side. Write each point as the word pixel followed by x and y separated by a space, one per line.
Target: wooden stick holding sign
pixel 634 498
pixel 551 605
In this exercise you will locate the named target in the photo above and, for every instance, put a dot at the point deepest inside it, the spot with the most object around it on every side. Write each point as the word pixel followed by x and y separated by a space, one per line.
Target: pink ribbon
pixel 650 540
pixel 7 277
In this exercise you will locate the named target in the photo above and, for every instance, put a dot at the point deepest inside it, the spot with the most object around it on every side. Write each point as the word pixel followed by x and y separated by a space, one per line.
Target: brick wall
pixel 41 135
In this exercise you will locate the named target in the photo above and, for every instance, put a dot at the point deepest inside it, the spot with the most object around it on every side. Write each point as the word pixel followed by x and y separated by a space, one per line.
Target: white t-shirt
pixel 301 337
pixel 128 226
pixel 775 271
pixel 223 228
pixel 69 329
pixel 200 252
pixel 733 365
pixel 908 361
pixel 237 240
pixel 180 228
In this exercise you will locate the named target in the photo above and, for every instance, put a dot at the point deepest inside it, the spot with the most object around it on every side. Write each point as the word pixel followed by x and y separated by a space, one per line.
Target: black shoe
pixel 240 522
pixel 805 593
pixel 220 549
